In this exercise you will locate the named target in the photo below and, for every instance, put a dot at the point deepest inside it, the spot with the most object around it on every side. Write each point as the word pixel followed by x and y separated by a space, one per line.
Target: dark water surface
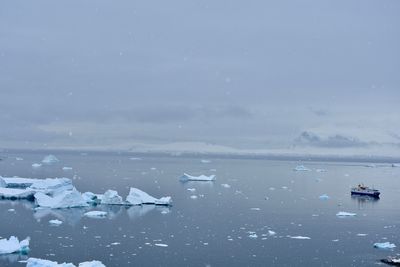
pixel 249 197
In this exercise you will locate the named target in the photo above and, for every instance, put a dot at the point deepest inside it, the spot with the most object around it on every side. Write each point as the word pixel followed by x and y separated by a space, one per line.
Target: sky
pixel 311 76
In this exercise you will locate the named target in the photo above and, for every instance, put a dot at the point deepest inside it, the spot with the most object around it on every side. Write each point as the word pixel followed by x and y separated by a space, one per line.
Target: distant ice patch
pixel 188 177
pixel 301 168
pixel 96 214
pixel 50 159
pixel 345 214
pixel 384 245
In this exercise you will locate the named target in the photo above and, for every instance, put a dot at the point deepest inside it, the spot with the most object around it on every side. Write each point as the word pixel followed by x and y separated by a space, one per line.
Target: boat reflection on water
pixel 363 200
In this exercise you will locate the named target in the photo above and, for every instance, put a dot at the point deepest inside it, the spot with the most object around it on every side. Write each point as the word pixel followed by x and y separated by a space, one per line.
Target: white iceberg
pixel 91 198
pixel 51 185
pixel 13 245
pixel 55 222
pixel 188 177
pixel 138 197
pixel 385 245
pixel 96 214
pixel 2 182
pixel 50 159
pixel 324 197
pixel 111 197
pixel 16 193
pixel 91 264
pixel 345 214
pixel 301 168
pixel 65 199
pixel 299 237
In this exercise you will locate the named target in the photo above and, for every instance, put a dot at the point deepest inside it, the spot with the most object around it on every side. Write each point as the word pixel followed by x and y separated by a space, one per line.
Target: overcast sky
pixel 284 75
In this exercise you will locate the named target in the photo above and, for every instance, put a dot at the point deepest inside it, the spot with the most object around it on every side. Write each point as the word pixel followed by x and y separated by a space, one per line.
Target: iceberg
pixel 299 237
pixel 301 168
pixel 50 159
pixel 65 199
pixel 90 197
pixel 385 245
pixel 324 197
pixel 51 185
pixel 34 262
pixel 2 182
pixel 16 193
pixel 55 222
pixel 111 197
pixel 96 214
pixel 91 264
pixel 188 177
pixel 138 197
pixel 13 245
pixel 345 214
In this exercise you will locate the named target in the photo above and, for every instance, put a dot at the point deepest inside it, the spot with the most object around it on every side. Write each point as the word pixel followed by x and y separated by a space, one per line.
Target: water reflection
pixel 363 201
pixel 12 258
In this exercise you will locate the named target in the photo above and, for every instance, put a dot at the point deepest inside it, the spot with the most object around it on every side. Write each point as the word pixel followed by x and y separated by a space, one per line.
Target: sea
pixel 257 212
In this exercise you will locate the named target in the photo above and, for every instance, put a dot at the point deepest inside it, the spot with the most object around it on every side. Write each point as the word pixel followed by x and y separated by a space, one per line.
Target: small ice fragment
pixel 188 177
pixel 161 245
pixel 324 197
pixel 67 168
pixel 205 161
pixel 115 243
pixel 96 214
pixel 272 188
pixel 191 189
pixel 345 214
pixel 193 197
pixel 321 170
pixel 271 233
pixel 19 158
pixel 254 208
pixel 284 187
pixel 226 185
pixel 299 237
pixel 153 168
pixel 50 159
pixel 36 165
pixel 133 158
pixel 301 168
pixel 385 245
pixel 55 222
pixel 253 236
pixel 362 234
pixel 13 245
pixel 11 210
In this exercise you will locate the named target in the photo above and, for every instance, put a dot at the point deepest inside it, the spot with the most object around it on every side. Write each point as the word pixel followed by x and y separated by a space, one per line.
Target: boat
pixel 365 191
pixel 392 261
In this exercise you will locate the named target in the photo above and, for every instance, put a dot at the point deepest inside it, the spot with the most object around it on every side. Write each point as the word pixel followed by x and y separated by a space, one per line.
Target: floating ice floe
pixel 13 245
pixel 15 193
pixel 65 199
pixel 188 177
pixel 324 197
pixel 205 161
pixel 138 197
pixel 345 214
pixel 50 159
pixel 253 235
pixel 36 165
pixel 299 237
pixel 384 245
pixel 34 262
pixel 301 168
pixel 226 185
pixel 271 233
pixel 111 197
pixel 96 214
pixel 321 170
pixel 18 158
pixel 55 222
pixel 161 245
pixel 67 168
